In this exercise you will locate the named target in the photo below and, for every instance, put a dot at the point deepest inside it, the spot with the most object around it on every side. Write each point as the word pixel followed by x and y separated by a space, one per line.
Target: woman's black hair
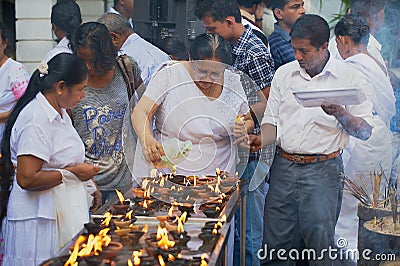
pixel 174 47
pixel 96 37
pixel 355 26
pixel 209 45
pixel 64 66
pixel 66 15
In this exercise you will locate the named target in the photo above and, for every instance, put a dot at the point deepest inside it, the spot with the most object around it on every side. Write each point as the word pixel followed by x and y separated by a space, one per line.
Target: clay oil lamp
pixel 92 228
pixel 174 227
pixel 143 208
pixel 123 205
pixel 209 241
pixel 135 237
pixel 180 236
pixel 167 246
pixel 111 250
pixel 212 212
pixel 153 239
pixel 124 222
pixel 169 218
pixel 186 207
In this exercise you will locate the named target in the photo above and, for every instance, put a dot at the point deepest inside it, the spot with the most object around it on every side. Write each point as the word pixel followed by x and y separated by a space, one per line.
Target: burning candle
pixel 203 260
pixel 107 219
pixel 170 211
pixel 218 171
pixel 120 196
pixel 136 257
pixel 161 260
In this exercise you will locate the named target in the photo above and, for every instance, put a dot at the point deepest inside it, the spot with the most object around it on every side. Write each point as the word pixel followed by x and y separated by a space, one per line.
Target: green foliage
pixel 344 6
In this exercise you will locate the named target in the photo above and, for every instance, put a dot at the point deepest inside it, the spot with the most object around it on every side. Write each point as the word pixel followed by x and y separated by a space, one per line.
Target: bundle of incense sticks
pixel 357 191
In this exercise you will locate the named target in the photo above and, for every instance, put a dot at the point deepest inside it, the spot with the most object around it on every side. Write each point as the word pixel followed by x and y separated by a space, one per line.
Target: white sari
pixel 360 158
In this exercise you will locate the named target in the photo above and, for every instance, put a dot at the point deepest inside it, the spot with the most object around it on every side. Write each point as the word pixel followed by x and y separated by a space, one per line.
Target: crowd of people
pixel 230 94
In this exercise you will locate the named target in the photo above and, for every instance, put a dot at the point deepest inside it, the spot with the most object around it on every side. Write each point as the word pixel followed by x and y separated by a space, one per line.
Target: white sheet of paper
pixel 340 96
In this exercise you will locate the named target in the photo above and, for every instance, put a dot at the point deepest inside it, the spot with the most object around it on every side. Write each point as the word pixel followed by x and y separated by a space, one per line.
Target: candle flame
pixel 183 217
pixel 203 260
pixel 217 208
pixel 180 226
pixel 195 181
pixel 159 231
pixel 162 181
pixel 170 211
pixel 107 219
pixel 161 260
pixel 145 182
pixel 136 257
pixel 173 188
pixel 171 257
pixel 129 215
pixel 120 196
pixel 188 196
pixel 130 263
pixel 214 231
pixel 223 218
pixel 218 180
pixel 218 171
pixel 145 228
pixel 164 242
pixel 74 255
pixel 219 224
pixel 217 189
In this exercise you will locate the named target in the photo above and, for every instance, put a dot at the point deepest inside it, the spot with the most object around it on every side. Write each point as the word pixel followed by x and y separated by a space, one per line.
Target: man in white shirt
pixel 305 191
pixel 126 41
pixel 124 8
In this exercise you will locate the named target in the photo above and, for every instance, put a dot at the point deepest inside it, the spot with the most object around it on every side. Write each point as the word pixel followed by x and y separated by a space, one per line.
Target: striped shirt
pixel 253 58
pixel 281 48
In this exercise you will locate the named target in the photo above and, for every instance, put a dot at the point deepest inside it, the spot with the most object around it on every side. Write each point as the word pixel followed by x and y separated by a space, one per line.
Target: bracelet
pixel 259 19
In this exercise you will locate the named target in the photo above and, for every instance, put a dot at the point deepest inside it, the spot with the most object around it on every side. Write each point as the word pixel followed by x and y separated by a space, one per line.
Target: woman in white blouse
pixel 42 154
pixel 14 79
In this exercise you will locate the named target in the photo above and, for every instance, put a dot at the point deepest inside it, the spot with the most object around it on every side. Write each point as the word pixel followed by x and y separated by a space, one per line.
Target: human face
pixel 290 13
pixel 224 29
pixel 128 7
pixel 71 96
pixel 311 58
pixel 207 72
pixel 88 57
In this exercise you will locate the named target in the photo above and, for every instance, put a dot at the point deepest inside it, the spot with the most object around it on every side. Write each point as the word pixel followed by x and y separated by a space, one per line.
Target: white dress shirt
pixel 61 47
pixel 310 130
pixel 148 56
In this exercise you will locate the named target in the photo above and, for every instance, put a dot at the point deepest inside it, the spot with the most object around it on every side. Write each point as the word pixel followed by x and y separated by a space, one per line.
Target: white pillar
pixel 33 28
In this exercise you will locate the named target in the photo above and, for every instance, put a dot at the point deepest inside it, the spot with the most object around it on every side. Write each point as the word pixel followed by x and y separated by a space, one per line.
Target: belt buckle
pixel 298 158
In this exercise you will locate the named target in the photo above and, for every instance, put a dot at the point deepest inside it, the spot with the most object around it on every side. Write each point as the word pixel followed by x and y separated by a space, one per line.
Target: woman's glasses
pixel 201 73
